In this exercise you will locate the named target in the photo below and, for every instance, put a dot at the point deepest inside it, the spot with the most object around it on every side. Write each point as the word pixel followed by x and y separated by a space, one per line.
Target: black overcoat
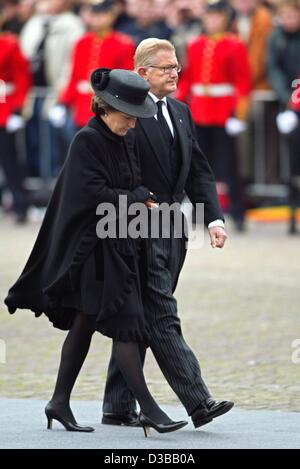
pixel 195 179
pixel 100 166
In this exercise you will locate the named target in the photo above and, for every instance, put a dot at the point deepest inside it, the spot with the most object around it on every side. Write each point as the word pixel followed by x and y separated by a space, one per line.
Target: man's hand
pixel 14 123
pixel 218 236
pixel 287 121
pixel 151 204
pixel 58 116
pixel 235 127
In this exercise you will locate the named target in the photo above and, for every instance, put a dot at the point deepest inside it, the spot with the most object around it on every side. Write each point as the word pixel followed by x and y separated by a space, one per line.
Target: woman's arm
pixel 89 172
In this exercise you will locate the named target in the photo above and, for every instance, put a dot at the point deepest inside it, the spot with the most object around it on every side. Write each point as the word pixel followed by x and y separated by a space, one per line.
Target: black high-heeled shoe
pixel 53 414
pixel 147 423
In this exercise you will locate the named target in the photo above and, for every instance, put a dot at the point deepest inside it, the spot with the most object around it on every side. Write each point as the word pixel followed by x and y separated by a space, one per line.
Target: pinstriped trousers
pixel 174 357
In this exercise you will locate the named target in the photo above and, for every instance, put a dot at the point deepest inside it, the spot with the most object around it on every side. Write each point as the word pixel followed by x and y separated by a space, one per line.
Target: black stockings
pixel 127 354
pixel 128 359
pixel 74 352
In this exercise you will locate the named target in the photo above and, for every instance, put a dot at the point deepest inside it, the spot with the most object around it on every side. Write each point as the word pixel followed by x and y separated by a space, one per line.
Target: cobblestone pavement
pixel 240 310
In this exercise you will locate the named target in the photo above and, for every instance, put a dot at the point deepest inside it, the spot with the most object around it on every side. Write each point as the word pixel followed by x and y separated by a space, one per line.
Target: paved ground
pixel 240 314
pixel 23 425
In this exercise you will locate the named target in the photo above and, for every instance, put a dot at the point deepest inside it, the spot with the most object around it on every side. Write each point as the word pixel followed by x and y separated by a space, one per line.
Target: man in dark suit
pixel 172 164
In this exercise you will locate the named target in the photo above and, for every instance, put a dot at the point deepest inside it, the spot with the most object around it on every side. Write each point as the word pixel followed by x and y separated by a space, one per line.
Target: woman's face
pixel 119 123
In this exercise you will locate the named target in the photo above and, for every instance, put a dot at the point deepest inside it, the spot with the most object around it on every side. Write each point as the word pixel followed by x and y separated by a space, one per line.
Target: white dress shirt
pixel 164 111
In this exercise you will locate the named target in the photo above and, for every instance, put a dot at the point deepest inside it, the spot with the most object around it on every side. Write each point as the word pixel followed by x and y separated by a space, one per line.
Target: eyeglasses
pixel 168 69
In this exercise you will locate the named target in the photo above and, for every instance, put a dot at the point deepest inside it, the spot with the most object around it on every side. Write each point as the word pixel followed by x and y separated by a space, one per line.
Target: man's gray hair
pixel 147 49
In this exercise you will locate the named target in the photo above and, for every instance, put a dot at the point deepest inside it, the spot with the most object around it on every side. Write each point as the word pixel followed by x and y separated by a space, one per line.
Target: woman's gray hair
pixel 100 107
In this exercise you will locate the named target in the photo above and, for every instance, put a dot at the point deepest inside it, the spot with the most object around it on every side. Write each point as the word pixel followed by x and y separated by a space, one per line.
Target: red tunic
pixel 15 77
pixel 92 51
pixel 221 61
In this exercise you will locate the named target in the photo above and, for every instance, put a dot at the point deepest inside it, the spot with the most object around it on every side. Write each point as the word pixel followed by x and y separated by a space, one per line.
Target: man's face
pixel 215 22
pixel 161 76
pixel 58 6
pixel 103 20
pixel 245 7
pixel 290 19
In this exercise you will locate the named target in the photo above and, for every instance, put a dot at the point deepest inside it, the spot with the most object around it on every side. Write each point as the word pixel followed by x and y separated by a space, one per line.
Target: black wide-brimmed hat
pixel 124 91
pixel 99 6
pixel 217 6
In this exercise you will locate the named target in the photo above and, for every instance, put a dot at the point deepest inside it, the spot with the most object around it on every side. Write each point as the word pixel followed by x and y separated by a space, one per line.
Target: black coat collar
pixel 183 141
pixel 149 126
pixel 99 125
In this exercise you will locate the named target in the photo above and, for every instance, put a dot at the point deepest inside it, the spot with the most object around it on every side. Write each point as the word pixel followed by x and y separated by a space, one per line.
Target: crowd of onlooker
pixel 53 46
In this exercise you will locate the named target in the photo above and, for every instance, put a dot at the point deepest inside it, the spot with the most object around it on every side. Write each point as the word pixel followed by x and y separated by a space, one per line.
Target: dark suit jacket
pixel 196 178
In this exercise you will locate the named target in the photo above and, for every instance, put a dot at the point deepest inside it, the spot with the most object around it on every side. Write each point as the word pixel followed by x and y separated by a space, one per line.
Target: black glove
pixel 142 194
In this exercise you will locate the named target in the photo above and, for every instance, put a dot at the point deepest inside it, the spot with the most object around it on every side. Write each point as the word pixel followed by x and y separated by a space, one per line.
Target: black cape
pixel 98 162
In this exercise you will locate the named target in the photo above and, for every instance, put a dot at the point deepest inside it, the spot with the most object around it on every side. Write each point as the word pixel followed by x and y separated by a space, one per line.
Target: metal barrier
pixel 39 102
pixel 260 186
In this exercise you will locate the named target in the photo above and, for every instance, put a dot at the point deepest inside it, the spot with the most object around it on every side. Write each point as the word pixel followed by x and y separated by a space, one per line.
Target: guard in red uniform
pixel 217 84
pixel 15 82
pixel 101 47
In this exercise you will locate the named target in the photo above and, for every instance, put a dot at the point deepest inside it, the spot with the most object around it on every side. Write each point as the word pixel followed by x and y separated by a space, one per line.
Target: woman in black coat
pixel 86 284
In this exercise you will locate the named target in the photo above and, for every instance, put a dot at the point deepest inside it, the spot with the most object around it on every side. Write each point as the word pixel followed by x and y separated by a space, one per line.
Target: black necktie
pixel 165 129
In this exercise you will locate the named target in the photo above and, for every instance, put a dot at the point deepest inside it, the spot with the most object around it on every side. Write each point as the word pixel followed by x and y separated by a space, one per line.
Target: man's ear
pixel 143 72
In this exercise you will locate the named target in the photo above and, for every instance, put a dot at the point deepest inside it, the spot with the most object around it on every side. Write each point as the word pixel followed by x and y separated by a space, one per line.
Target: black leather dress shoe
pixel 200 416
pixel 215 408
pixel 209 410
pixel 21 218
pixel 129 419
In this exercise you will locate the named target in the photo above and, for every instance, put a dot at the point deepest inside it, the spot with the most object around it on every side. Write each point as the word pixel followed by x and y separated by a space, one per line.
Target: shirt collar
pixel 155 98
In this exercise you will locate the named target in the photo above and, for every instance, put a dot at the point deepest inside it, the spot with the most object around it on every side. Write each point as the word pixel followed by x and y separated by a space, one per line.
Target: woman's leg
pixel 74 352
pixel 128 359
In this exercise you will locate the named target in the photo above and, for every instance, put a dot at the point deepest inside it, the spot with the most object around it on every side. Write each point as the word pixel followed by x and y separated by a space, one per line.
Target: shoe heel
pixel 146 431
pixel 50 423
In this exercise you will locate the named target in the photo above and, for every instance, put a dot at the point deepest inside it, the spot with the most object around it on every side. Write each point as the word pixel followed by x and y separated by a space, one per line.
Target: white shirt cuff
pixel 219 223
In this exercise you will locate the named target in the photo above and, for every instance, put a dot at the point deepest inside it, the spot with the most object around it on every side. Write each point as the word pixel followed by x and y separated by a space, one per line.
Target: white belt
pixel 219 90
pixel 84 87
pixel 6 89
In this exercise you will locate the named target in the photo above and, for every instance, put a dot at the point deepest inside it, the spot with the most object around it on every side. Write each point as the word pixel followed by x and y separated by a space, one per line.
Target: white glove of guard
pixel 58 116
pixel 234 126
pixel 287 121
pixel 14 123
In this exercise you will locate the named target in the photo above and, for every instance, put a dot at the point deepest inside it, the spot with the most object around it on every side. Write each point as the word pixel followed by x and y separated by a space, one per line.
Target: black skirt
pixel 125 322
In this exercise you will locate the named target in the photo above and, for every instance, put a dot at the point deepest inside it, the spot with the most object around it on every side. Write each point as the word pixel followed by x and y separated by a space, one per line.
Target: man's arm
pixel 201 188
pixel 201 184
